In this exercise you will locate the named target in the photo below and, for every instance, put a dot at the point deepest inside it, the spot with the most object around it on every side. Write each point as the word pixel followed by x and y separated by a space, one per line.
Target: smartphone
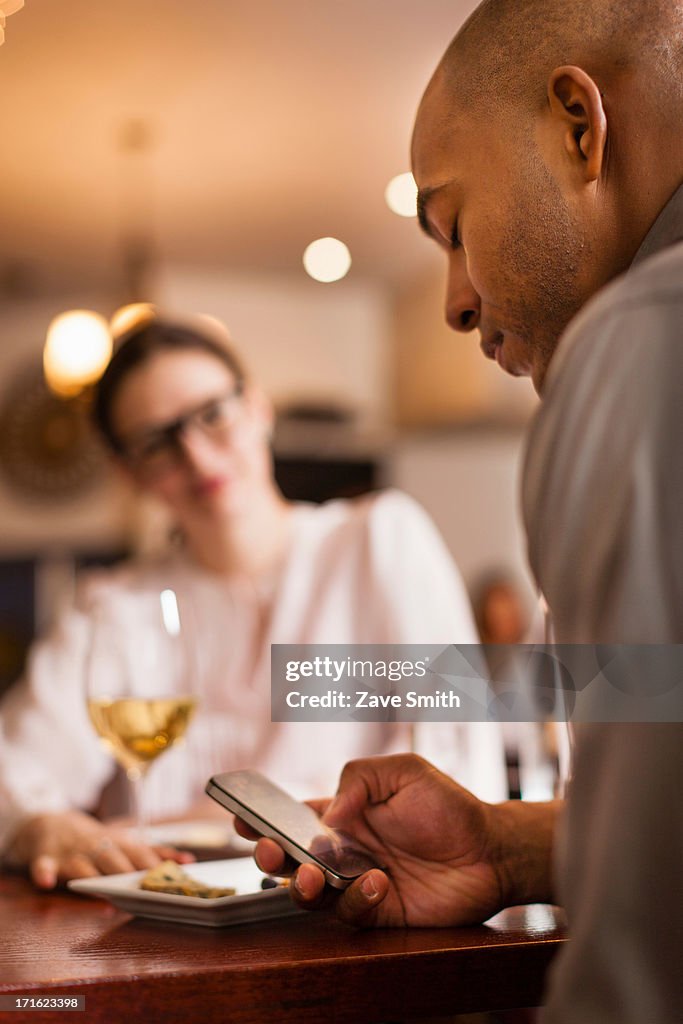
pixel 294 825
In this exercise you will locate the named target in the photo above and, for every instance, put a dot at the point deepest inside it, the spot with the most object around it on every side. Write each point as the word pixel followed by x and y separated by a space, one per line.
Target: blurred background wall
pixel 186 155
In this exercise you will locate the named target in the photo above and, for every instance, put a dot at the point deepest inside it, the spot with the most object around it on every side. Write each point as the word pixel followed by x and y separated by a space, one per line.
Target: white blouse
pixel 372 570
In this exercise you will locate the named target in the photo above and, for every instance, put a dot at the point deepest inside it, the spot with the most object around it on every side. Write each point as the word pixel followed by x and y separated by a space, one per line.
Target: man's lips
pixel 492 345
pixel 508 352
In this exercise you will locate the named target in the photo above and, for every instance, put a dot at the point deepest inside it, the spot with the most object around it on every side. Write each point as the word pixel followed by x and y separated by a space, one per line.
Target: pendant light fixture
pixel 79 342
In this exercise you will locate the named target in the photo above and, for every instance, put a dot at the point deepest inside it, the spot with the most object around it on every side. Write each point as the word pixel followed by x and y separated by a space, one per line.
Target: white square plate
pixel 250 903
pixel 200 836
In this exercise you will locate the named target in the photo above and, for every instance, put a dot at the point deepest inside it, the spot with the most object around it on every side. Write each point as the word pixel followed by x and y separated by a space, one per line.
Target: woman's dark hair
pixel 138 345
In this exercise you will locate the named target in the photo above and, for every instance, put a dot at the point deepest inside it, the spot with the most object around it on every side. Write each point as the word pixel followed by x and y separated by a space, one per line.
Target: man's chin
pixel 511 356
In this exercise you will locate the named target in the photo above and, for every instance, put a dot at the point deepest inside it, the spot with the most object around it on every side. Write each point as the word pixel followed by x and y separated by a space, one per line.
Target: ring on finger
pixel 103 844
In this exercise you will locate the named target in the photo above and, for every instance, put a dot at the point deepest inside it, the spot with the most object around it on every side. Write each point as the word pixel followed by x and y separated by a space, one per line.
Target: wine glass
pixel 139 682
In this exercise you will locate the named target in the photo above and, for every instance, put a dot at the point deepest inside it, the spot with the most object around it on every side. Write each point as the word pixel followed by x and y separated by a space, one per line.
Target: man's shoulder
pixel 657 280
pixel 641 307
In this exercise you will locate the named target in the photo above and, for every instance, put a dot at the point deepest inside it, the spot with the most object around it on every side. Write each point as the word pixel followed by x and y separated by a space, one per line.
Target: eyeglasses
pixel 157 450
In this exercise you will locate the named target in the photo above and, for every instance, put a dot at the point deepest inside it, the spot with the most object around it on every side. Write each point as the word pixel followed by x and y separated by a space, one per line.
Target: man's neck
pixel 667 227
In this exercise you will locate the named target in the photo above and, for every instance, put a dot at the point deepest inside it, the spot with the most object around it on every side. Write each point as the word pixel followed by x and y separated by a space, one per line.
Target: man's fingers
pixel 271 858
pixel 320 806
pixel 244 830
pixel 308 887
pixel 362 783
pixel 348 802
pixel 358 903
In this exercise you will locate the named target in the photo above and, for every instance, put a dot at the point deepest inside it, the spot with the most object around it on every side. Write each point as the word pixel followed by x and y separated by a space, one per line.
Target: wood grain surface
pixel 306 970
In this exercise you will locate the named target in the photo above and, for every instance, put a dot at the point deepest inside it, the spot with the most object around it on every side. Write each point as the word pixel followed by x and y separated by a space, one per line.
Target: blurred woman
pixel 189 429
pixel 499 610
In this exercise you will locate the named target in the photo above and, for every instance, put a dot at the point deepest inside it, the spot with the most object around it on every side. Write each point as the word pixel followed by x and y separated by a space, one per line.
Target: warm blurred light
pixel 130 316
pixel 401 195
pixel 215 326
pixel 77 349
pixel 8 7
pixel 327 259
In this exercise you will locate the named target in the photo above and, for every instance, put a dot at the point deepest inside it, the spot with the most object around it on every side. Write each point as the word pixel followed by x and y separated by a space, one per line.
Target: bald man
pixel 548 154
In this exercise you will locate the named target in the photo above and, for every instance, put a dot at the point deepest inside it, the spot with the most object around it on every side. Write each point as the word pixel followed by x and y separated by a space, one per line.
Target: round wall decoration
pixel 48 448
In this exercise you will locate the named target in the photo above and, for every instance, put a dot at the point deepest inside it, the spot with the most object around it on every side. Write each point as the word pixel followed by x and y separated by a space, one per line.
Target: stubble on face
pixel 542 250
pixel 527 250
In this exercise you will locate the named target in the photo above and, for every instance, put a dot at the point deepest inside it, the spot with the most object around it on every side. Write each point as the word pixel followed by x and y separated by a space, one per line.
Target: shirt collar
pixel 666 230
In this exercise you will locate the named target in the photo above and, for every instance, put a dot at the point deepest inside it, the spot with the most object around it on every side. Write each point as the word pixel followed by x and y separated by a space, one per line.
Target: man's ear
pixel 575 100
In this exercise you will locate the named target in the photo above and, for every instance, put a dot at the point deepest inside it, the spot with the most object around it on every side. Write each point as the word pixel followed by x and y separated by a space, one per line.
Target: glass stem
pixel 136 780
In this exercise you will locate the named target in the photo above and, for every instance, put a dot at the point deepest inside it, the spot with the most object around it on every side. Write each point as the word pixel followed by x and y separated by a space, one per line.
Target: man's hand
pixel 449 858
pixel 57 847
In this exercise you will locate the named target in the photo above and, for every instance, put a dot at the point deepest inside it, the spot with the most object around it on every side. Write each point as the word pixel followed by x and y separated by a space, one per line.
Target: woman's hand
pixel 57 847
pixel 449 858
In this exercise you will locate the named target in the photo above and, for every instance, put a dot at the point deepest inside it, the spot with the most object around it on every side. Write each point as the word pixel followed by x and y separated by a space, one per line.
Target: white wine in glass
pixel 139 682
pixel 138 729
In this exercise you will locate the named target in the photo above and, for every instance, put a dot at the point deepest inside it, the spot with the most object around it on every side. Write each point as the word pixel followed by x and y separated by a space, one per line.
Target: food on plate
pixel 274 883
pixel 170 878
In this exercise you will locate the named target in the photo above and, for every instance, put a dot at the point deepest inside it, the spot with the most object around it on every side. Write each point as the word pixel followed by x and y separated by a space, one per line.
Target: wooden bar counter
pixel 303 970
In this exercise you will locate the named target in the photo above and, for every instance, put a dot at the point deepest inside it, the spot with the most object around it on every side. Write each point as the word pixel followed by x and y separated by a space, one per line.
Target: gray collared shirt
pixel 603 505
pixel 603 475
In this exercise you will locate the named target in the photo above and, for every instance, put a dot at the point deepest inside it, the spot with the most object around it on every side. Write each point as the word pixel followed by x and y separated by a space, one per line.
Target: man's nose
pixel 463 305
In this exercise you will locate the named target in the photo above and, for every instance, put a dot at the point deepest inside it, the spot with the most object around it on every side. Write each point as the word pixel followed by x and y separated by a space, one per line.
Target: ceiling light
pixel 401 195
pixel 327 259
pixel 77 350
pixel 8 7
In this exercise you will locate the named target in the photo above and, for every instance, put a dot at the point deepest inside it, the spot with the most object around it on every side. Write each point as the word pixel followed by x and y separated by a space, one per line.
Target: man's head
pixel 547 142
